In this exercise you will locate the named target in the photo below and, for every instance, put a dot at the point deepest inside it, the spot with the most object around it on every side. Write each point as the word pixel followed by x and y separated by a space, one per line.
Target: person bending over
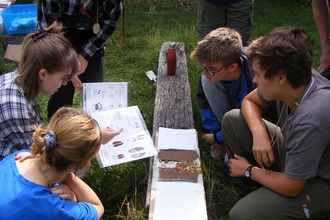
pixel 28 188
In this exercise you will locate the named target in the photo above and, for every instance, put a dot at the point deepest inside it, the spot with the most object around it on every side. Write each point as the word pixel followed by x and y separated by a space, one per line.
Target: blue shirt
pixel 23 199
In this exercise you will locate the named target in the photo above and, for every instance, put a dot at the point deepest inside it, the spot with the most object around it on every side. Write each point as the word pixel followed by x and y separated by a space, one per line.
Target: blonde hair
pixel 220 45
pixel 78 139
pixel 48 49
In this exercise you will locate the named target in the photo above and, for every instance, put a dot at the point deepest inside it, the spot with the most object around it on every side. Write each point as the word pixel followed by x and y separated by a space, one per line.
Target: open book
pixel 133 143
pixel 107 103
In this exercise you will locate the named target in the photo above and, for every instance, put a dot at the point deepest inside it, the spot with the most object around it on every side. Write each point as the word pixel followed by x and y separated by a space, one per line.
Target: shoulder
pixel 10 92
pixel 7 79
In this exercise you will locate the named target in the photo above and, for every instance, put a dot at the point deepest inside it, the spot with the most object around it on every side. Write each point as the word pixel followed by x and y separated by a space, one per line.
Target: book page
pixel 104 96
pixel 133 143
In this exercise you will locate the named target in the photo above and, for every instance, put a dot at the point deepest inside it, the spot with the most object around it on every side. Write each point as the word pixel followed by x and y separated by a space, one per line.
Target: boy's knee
pixel 230 117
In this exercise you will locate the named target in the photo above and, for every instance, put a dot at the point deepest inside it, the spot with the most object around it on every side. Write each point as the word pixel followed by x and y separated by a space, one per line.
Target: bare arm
pixel 252 112
pixel 321 18
pixel 84 193
pixel 275 181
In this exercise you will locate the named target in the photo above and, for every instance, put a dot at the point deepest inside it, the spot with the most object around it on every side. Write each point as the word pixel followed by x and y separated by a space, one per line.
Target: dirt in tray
pixel 178 155
pixel 183 171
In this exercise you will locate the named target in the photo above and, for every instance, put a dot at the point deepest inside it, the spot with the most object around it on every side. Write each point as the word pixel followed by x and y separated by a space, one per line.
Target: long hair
pixel 48 49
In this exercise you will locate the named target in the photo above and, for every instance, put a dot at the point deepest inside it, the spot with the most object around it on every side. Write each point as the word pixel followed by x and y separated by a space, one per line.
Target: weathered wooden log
pixel 173 107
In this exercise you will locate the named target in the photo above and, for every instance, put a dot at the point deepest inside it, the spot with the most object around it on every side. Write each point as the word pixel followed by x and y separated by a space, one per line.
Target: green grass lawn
pixel 122 188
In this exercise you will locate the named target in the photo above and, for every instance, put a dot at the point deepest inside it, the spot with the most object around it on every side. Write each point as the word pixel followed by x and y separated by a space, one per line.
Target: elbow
pixel 293 191
pixel 100 211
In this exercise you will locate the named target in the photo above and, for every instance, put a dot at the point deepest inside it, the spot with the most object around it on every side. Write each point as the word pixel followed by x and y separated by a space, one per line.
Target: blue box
pixel 20 18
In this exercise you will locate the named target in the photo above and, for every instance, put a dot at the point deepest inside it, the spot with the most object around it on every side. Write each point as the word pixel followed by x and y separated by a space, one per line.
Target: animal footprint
pixel 138 155
pixel 117 143
pixel 120 156
pixel 135 149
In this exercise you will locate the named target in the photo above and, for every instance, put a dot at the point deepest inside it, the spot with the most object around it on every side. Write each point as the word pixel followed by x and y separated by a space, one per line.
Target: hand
pixel 108 134
pixel 64 192
pixel 83 65
pixel 324 63
pixel 23 156
pixel 262 150
pixel 219 150
pixel 77 82
pixel 208 138
pixel 237 166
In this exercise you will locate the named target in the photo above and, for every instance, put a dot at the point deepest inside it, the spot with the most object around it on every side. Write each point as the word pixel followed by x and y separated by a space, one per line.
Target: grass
pixel 149 24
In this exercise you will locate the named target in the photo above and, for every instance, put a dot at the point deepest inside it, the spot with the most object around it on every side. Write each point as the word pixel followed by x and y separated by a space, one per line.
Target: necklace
pixel 274 136
pixel 96 26
pixel 43 173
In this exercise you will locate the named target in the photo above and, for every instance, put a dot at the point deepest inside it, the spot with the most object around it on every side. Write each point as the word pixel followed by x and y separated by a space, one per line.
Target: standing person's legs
pixel 210 17
pixel 240 18
pixel 238 140
pixel 313 202
pixel 64 96
pixel 94 70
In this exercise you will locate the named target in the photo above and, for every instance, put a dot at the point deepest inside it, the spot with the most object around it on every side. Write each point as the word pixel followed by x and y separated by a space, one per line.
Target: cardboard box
pixel 13 52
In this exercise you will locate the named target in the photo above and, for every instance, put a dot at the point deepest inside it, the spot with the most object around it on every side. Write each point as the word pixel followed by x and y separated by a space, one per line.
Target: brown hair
pixel 284 49
pixel 47 49
pixel 78 139
pixel 220 45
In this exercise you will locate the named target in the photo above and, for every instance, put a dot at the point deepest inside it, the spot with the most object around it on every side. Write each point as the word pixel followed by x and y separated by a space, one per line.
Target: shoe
pixel 218 151
pixel 226 161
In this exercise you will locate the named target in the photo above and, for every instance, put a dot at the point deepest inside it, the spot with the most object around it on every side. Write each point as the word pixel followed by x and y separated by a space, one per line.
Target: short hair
pixel 284 49
pixel 52 51
pixel 220 45
pixel 78 139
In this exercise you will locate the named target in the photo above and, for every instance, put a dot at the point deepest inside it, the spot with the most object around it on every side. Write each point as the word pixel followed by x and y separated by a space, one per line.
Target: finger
pixel 265 160
pixel 237 156
pixel 65 196
pixel 23 158
pixel 120 130
pixel 320 70
pixel 260 161
pixel 271 158
pixel 217 152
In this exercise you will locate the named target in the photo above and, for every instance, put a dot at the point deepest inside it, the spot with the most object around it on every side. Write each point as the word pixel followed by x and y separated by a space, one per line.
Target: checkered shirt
pixel 17 116
pixel 108 15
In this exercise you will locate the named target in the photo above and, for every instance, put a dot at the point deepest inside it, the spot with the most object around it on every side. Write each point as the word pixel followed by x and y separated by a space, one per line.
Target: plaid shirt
pixel 17 116
pixel 108 15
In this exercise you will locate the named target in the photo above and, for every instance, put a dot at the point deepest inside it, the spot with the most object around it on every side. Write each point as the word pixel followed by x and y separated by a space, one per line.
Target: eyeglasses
pixel 212 73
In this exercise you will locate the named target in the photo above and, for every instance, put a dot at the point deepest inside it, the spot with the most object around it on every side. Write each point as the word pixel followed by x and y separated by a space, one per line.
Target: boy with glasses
pixel 226 79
